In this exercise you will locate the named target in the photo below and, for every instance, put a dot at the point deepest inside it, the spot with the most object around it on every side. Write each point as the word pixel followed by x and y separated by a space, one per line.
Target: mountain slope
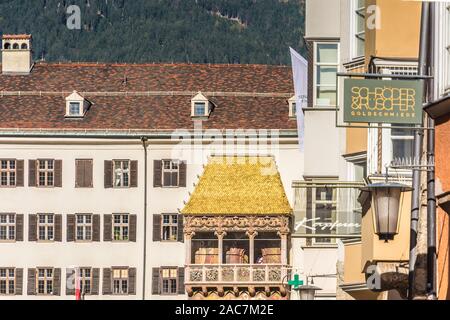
pixel 199 31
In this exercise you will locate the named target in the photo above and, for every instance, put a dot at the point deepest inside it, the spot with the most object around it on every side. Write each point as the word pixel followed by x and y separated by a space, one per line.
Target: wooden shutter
pixel 181 289
pixel 19 282
pixel 31 285
pixel 19 173
pixel 134 174
pixel 89 173
pixel 83 173
pixel 95 281
pixel 19 227
pixel 57 282
pixel 79 174
pixel 32 173
pixel 70 282
pixel 157 227
pixel 156 284
pixel 96 228
pixel 180 228
pixel 108 176
pixel 133 222
pixel 182 174
pixel 107 227
pixel 32 227
pixel 107 281
pixel 132 281
pixel 157 173
pixel 58 173
pixel 70 228
pixel 58 228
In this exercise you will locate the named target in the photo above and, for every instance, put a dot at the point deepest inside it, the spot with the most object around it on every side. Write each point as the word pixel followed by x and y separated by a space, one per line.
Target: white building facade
pixel 98 160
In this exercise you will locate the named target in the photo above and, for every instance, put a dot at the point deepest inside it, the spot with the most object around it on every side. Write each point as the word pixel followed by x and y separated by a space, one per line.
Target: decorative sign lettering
pixel 383 101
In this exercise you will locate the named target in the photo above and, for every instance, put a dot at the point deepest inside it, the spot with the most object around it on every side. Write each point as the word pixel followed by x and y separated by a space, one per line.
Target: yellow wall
pixel 398 36
pixel 353 271
pixel 395 250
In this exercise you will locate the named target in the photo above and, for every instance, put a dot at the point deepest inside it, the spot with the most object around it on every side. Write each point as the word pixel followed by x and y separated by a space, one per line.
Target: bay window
pixel 326 61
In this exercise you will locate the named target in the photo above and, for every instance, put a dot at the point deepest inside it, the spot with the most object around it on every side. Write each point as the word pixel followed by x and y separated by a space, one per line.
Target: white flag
pixel 300 73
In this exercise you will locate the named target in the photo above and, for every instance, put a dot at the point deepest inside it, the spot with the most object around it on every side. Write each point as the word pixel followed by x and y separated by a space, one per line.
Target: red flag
pixel 77 285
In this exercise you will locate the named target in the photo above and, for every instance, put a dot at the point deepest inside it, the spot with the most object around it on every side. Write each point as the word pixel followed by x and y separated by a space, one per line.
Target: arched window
pixel 24 46
pixel 15 46
pixel 7 46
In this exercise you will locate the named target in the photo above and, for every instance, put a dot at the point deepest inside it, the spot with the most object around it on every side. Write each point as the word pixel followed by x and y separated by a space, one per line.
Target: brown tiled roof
pixel 148 97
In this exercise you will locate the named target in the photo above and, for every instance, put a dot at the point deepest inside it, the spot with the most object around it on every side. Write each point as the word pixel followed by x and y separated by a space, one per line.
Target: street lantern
pixel 386 198
pixel 307 292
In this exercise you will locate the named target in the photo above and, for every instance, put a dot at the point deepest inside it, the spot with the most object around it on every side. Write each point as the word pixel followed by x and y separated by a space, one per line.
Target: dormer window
pixel 76 106
pixel 199 109
pixel 200 106
pixel 292 107
pixel 74 109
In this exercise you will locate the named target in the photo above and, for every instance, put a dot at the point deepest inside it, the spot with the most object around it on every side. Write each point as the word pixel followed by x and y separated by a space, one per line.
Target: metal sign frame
pixel 376 125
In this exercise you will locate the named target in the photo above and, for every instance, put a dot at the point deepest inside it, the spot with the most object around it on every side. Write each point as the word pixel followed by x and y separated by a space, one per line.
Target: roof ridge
pixel 154 64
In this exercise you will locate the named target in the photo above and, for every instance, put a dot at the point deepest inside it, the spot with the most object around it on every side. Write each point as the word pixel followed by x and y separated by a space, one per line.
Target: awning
pixel 239 185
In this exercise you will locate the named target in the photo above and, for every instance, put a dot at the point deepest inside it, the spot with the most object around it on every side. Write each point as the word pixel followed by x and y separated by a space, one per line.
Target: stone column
pixel 220 235
pixel 251 235
pixel 284 247
pixel 188 245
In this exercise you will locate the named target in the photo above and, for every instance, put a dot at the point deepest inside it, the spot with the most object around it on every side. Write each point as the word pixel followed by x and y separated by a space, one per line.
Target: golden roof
pixel 239 185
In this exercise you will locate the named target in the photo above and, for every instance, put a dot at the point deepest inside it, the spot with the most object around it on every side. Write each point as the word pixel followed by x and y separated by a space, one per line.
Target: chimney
pixel 16 54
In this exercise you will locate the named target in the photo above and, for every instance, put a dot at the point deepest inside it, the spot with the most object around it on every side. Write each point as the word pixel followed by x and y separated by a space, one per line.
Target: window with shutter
pixel 9 173
pixel 84 174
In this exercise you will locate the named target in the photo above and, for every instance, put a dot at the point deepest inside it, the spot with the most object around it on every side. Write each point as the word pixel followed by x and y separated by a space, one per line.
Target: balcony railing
pixel 235 274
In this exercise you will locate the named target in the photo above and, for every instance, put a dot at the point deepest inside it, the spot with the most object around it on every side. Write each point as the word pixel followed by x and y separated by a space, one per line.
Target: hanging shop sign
pixel 383 101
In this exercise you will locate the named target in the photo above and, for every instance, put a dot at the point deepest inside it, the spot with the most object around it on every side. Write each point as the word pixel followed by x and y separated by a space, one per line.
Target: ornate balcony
pixel 235 277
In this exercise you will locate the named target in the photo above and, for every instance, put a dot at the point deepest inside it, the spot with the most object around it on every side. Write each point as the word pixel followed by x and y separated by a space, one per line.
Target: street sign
pixel 383 101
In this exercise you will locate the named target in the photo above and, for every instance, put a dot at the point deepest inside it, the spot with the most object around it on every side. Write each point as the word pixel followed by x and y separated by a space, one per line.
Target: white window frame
pixel 8 172
pixel 119 172
pixel 353 27
pixel 7 279
pixel 8 224
pixel 85 227
pixel 75 104
pixel 122 227
pixel 84 279
pixel 119 278
pixel 316 67
pixel 47 226
pixel 46 280
pixel 48 172
pixel 171 170
pixel 171 225
pixel 169 276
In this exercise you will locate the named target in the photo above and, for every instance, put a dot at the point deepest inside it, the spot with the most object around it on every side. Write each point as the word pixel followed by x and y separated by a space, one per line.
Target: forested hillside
pixel 200 31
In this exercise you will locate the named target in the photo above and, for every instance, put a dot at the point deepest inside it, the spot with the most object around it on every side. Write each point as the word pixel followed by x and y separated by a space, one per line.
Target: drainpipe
pixel 418 137
pixel 144 271
pixel 431 196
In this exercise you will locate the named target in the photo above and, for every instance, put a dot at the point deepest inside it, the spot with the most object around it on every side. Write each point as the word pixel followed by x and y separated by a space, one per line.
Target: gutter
pixel 144 264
